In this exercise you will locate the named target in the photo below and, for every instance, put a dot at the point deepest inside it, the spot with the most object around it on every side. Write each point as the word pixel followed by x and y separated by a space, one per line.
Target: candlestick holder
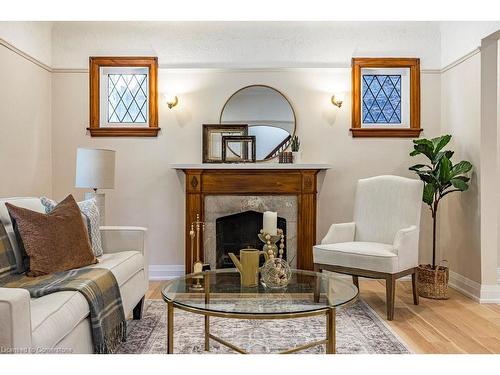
pixel 270 241
pixel 275 272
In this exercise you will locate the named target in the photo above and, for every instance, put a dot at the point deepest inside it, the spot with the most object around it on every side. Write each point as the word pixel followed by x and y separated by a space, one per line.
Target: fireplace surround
pixel 238 231
pixel 244 213
pixel 266 179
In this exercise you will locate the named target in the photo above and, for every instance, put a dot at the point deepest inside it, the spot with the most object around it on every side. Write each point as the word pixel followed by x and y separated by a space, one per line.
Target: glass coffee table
pixel 219 294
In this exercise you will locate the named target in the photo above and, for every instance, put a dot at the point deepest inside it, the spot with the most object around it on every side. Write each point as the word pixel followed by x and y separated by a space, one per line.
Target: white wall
pixel 498 153
pixel 33 38
pixel 458 38
pixel 148 193
pixel 459 216
pixel 25 126
pixel 489 160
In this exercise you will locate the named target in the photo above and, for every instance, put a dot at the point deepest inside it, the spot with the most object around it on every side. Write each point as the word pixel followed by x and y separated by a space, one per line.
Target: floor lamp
pixel 95 169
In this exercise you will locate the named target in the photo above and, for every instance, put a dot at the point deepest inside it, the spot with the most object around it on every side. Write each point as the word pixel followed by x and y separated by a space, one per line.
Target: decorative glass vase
pixel 275 273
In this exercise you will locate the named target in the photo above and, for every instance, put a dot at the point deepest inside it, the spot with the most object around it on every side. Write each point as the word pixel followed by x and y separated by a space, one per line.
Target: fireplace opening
pixel 240 231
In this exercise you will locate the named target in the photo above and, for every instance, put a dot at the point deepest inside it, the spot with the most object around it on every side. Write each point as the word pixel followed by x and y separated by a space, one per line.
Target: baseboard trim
pixel 165 271
pixel 481 293
pixel 467 287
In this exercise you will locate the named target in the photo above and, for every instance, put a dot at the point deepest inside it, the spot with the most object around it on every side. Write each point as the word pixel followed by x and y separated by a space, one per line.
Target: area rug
pixel 359 331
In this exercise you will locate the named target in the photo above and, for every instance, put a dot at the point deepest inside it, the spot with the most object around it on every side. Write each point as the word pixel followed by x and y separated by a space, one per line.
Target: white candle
pixel 270 223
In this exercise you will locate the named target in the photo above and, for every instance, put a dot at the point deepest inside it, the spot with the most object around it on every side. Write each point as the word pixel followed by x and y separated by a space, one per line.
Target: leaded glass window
pixel 124 96
pixel 381 101
pixel 385 97
pixel 127 98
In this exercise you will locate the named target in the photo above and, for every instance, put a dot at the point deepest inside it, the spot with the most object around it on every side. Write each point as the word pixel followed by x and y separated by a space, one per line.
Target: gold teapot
pixel 248 266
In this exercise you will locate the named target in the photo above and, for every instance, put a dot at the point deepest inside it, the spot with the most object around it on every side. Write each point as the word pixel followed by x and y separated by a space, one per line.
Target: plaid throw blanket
pixel 101 290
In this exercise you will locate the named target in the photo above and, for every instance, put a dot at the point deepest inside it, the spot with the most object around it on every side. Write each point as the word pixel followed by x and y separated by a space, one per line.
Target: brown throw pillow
pixel 54 242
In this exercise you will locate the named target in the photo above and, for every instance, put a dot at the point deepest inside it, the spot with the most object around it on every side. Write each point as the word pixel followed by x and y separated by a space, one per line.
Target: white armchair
pixel 382 241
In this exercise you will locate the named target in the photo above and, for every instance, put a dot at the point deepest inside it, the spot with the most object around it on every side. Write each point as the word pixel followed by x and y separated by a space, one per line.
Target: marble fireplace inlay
pixel 217 206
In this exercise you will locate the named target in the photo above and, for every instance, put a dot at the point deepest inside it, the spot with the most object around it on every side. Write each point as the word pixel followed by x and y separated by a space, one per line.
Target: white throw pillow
pixel 91 216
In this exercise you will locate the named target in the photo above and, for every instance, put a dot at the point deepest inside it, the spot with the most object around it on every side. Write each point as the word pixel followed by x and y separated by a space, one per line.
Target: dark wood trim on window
pixel 95 63
pixel 390 62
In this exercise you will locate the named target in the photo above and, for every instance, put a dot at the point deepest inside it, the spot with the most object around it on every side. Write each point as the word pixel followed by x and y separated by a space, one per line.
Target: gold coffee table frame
pixel 328 311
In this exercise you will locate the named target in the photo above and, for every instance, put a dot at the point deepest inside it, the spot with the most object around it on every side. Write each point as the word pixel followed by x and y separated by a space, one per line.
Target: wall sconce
pixel 172 101
pixel 337 100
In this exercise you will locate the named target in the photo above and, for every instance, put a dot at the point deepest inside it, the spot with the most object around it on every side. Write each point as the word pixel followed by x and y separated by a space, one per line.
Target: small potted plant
pixel 297 157
pixel 441 177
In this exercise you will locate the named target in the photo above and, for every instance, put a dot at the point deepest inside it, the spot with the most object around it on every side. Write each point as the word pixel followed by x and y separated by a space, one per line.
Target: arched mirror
pixel 268 114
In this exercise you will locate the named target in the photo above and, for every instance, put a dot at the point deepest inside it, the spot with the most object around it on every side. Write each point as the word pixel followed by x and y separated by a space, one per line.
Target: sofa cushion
pixel 91 217
pixel 371 256
pixel 55 315
pixel 124 264
pixel 29 203
pixel 54 242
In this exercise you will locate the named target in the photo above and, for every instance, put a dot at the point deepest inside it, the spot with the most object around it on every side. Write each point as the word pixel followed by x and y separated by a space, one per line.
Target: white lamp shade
pixel 95 168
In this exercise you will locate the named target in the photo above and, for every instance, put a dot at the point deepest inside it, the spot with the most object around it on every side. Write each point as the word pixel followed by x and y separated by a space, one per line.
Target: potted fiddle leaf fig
pixel 441 177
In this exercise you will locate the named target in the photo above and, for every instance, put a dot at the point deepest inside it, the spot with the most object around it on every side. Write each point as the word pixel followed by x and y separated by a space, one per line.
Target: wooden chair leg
pixel 414 287
pixel 390 290
pixel 355 281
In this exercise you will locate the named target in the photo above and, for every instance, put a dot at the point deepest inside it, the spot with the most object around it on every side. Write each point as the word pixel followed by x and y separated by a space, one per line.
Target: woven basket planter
pixel 432 283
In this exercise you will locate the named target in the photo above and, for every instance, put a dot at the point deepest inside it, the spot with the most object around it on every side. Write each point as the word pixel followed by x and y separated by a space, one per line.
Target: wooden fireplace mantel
pixel 255 179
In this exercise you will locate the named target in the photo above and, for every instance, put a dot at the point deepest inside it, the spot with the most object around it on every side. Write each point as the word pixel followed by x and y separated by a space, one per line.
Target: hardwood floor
pixel 458 325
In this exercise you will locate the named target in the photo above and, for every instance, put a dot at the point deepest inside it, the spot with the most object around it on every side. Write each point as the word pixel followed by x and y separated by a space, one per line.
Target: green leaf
pixel 416 167
pixel 463 178
pixel 444 170
pixel 428 196
pixel 423 148
pixel 459 184
pixel 438 157
pixel 460 168
pixel 423 141
pixel 449 154
pixel 440 142
pixel 426 177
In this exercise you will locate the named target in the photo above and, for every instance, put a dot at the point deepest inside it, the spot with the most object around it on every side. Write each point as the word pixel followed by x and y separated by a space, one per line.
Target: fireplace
pixel 239 231
pixel 232 222
pixel 271 182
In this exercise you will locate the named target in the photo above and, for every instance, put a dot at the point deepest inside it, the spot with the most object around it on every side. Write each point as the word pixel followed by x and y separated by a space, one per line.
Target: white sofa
pixel 59 322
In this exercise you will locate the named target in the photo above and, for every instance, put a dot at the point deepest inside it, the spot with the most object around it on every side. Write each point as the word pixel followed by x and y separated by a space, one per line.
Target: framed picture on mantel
pixel 386 97
pixel 212 139
pixel 238 149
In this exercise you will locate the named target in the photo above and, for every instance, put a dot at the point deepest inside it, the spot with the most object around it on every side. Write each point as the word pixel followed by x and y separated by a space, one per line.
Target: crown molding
pixel 69 70
pixel 461 60
pixel 228 67
pixel 25 55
